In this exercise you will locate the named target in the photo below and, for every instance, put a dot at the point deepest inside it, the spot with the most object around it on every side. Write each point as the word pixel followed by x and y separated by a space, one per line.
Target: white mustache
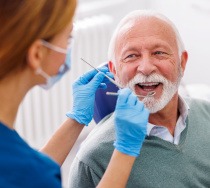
pixel 140 78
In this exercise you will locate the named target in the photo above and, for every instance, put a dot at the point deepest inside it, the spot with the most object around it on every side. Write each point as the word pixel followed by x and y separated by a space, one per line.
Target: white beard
pixel 169 89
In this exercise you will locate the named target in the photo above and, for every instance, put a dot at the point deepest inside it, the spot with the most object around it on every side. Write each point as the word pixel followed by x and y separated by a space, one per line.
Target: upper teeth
pixel 148 84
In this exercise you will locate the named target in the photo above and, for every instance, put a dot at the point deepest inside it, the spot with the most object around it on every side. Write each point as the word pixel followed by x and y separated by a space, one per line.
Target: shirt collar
pixel 183 109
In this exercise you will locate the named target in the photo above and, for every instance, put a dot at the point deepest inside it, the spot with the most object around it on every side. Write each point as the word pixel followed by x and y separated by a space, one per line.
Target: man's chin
pixel 153 111
pixel 154 105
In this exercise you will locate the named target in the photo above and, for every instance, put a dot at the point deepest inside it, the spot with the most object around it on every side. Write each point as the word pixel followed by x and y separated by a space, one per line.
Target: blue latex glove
pixel 84 90
pixel 131 118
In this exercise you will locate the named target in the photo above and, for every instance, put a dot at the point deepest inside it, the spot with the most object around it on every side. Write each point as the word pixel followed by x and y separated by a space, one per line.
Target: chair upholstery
pixel 104 104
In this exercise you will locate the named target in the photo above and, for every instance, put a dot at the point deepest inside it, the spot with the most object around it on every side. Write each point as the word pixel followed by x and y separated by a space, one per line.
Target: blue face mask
pixel 51 80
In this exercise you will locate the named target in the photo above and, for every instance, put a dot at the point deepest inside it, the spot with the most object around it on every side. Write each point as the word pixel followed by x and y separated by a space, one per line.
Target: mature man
pixel 147 54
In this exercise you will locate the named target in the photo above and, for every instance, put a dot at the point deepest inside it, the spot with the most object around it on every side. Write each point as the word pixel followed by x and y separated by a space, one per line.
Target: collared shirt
pixel 163 132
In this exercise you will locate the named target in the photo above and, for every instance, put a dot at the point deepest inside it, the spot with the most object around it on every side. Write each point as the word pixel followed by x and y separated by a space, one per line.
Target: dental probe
pixel 110 79
pixel 149 94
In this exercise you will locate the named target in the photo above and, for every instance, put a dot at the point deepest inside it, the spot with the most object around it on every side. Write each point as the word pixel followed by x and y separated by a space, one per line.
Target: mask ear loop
pixel 53 47
pixel 39 71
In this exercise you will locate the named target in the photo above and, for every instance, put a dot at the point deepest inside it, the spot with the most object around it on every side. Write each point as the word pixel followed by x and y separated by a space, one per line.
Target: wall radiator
pixel 42 111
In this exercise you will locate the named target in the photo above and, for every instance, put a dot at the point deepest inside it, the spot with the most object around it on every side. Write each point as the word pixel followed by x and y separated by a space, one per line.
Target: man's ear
pixel 36 54
pixel 111 66
pixel 184 59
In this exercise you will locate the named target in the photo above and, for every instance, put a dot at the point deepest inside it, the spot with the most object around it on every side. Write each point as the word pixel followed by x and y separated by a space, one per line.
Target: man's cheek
pixel 123 75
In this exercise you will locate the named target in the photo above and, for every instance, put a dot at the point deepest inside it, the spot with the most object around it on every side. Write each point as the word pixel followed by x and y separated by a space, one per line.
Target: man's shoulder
pixel 199 109
pixel 196 102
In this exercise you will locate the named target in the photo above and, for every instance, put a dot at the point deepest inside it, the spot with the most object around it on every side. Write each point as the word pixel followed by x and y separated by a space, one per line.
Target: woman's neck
pixel 12 91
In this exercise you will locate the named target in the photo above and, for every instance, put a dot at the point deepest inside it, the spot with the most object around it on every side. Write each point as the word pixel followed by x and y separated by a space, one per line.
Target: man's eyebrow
pixel 129 49
pixel 161 45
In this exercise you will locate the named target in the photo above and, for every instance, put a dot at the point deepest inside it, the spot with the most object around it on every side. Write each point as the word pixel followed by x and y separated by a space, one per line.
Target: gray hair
pixel 138 14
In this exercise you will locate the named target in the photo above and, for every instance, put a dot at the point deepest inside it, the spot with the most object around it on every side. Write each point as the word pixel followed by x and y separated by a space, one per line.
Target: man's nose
pixel 146 65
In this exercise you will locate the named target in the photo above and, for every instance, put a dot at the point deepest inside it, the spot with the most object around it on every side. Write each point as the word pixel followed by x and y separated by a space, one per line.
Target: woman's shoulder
pixel 21 165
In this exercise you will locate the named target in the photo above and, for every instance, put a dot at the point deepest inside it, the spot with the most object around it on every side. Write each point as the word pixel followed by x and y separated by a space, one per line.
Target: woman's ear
pixel 36 54
pixel 112 67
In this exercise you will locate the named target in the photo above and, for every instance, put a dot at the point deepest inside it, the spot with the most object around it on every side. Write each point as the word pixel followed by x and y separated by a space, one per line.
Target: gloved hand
pixel 131 118
pixel 84 90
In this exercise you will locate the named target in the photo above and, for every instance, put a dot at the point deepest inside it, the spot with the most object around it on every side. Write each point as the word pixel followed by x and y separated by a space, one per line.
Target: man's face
pixel 147 60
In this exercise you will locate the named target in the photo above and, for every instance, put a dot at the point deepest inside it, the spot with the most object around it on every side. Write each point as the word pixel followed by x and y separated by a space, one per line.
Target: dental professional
pixel 34 51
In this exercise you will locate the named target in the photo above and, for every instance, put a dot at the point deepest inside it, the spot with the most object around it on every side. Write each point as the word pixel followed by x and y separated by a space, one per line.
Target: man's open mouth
pixel 147 87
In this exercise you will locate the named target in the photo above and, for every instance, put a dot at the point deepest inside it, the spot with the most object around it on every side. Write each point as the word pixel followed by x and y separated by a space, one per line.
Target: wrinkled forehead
pixel 146 27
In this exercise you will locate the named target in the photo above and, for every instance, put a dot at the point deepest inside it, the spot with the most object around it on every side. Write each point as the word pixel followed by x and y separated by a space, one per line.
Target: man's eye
pixel 159 53
pixel 131 56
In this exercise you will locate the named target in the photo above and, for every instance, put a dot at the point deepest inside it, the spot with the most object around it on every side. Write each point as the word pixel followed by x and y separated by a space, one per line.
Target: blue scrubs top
pixel 21 166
